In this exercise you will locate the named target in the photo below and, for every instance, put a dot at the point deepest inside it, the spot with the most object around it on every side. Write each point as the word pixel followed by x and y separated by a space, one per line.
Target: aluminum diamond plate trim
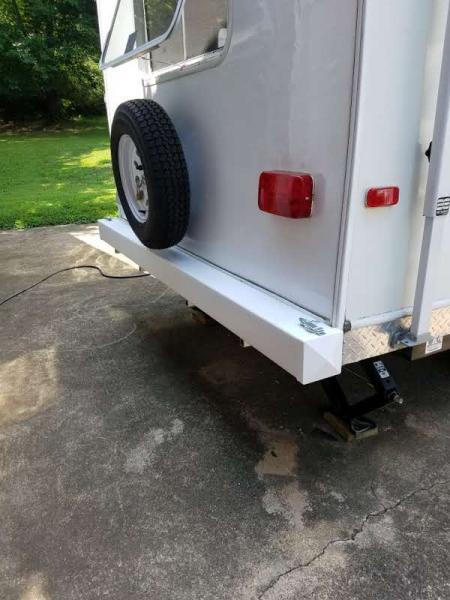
pixel 374 340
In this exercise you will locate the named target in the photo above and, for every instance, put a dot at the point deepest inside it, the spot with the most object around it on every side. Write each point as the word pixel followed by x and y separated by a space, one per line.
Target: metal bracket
pixel 349 420
pixel 404 337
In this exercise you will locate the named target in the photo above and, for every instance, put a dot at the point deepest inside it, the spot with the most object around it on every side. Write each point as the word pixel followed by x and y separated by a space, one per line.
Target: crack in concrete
pixel 351 538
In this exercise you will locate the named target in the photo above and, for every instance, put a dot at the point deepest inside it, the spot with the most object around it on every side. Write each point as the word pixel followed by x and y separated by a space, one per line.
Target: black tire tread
pixel 164 166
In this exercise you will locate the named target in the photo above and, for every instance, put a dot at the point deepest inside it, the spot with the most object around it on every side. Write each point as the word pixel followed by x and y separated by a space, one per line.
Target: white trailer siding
pixel 280 100
pixel 125 81
pixel 400 66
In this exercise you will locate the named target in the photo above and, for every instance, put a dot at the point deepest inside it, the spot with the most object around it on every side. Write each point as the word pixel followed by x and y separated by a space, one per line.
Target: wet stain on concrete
pixel 280 456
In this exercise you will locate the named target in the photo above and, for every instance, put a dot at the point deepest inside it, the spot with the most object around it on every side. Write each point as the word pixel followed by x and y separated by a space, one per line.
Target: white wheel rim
pixel 133 178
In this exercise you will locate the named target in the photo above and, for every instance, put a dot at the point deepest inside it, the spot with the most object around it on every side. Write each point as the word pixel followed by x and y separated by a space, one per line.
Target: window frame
pixel 196 63
pixel 181 69
pixel 144 48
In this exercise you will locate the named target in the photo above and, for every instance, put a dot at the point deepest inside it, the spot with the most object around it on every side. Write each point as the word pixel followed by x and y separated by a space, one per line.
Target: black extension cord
pixel 94 267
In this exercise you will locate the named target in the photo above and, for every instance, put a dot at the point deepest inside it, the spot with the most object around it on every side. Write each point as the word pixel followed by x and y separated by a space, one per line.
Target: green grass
pixel 56 176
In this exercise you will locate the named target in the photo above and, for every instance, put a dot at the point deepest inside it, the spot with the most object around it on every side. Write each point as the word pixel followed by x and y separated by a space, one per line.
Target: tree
pixel 49 52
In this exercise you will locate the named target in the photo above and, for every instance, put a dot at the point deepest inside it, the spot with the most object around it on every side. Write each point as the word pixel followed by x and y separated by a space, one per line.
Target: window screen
pixel 202 29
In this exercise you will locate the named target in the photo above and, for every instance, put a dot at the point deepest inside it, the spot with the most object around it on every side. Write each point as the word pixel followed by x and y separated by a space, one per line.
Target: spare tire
pixel 150 172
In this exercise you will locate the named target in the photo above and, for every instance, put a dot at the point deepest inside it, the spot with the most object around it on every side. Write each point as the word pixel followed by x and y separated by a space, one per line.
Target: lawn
pixel 58 176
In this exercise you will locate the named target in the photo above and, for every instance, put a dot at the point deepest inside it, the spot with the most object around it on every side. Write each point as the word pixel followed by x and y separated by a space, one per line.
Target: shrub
pixel 49 51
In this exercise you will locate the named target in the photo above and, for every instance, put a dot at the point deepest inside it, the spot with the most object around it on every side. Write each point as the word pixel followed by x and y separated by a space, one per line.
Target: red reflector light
pixel 286 194
pixel 388 196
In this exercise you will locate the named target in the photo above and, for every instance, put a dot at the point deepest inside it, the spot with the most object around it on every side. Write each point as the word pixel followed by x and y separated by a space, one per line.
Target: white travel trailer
pixel 274 166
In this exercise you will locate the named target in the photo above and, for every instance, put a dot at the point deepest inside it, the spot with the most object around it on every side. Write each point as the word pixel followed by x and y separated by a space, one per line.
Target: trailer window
pixel 138 24
pixel 172 31
pixel 202 29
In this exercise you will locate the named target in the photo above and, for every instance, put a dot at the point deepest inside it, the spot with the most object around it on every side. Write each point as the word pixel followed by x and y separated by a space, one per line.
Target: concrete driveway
pixel 146 456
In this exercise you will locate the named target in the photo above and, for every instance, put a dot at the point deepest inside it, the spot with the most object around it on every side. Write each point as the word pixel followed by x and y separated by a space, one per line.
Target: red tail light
pixel 286 194
pixel 387 196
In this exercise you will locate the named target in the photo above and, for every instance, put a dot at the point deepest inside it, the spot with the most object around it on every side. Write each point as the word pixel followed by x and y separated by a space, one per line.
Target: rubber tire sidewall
pixel 154 232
